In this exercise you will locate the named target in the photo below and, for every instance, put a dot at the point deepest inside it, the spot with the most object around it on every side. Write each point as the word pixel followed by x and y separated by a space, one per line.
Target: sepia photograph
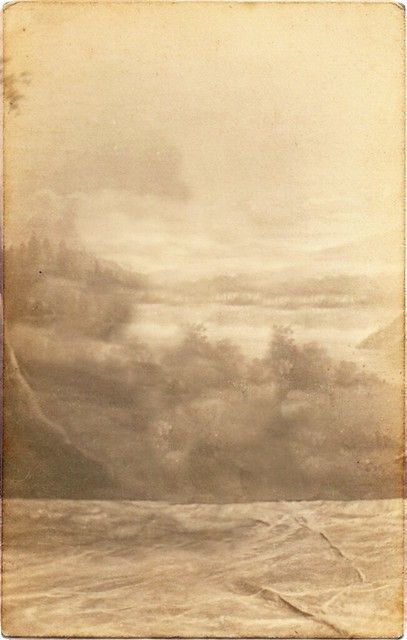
pixel 203 319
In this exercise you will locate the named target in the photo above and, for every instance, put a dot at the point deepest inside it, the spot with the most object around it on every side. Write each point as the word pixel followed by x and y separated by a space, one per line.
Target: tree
pixel 297 367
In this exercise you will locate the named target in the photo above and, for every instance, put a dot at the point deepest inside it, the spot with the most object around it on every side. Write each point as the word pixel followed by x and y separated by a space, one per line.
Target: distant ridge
pixel 387 338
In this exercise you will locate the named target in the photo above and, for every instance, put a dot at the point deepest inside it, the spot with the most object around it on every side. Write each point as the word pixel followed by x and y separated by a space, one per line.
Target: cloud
pixel 143 165
pixel 151 166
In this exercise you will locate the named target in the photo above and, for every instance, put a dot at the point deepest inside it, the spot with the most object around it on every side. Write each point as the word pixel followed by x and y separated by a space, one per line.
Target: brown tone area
pixel 204 300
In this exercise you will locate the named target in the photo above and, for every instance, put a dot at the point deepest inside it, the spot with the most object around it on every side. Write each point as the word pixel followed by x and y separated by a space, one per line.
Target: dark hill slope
pixel 40 459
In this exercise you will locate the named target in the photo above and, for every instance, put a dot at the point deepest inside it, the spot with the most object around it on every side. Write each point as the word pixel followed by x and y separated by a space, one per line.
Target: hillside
pixel 389 338
pixel 40 458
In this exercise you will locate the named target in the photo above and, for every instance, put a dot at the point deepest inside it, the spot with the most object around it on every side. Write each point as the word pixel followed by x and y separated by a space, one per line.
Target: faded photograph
pixel 204 320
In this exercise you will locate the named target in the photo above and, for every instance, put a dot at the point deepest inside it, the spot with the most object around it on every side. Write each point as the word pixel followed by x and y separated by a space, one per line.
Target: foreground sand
pixel 299 569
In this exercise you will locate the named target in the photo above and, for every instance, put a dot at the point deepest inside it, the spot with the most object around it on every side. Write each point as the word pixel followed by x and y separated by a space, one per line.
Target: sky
pixel 206 141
